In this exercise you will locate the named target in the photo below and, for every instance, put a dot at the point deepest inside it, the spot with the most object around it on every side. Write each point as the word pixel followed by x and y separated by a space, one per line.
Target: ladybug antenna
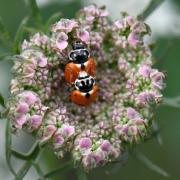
pixel 78 45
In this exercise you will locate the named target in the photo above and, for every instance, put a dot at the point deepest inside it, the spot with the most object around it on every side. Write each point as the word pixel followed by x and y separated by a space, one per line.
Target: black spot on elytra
pixel 87 95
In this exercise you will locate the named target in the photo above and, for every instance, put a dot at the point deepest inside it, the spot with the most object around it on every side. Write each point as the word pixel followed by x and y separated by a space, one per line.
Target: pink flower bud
pixel 139 122
pixel 90 10
pixel 122 64
pixel 105 146
pixel 85 143
pixel 132 131
pixel 130 20
pixel 20 121
pixel 131 84
pixel 145 98
pixel 119 24
pixel 67 130
pixel 35 121
pixel 29 97
pixel 58 140
pixel 115 152
pixel 157 79
pixel 145 71
pixel 22 108
pixel 132 113
pixel 103 13
pixel 48 132
pixel 90 19
pixel 29 70
pixel 42 61
pixel 61 41
pixel 119 129
pixel 70 25
pixel 65 25
pixel 25 45
pixel 99 156
pixel 89 160
pixel 134 39
pixel 36 39
pixel 83 35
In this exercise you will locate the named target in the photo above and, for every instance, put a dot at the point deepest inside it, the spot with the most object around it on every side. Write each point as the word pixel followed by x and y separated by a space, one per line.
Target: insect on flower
pixel 85 90
pixel 80 60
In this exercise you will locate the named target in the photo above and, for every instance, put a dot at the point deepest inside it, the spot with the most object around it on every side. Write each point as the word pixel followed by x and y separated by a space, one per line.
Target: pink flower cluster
pixel 131 32
pixel 56 129
pixel 94 151
pixel 27 112
pixel 128 87
pixel 64 27
pixel 132 128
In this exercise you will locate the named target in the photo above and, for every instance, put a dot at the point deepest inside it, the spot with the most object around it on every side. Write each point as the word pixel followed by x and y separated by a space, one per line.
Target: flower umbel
pixel 128 87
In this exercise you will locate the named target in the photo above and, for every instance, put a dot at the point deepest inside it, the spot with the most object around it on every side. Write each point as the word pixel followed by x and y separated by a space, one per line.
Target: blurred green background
pixel 167 53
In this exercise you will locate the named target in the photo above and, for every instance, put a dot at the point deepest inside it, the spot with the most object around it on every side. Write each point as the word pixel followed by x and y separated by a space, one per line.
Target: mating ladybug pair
pixel 80 72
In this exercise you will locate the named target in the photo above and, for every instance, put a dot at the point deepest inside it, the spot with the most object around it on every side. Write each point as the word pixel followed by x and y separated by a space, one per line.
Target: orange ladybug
pixel 85 90
pixel 80 61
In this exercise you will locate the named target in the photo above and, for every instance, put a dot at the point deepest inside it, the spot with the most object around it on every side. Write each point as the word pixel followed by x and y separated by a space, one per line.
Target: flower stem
pixel 38 170
pixel 26 156
pixel 23 171
pixel 27 165
pixel 152 6
pixel 8 147
pixel 81 174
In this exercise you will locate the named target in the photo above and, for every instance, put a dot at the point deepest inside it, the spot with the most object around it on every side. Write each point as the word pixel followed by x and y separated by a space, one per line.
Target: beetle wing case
pixel 91 67
pixel 71 72
pixel 81 99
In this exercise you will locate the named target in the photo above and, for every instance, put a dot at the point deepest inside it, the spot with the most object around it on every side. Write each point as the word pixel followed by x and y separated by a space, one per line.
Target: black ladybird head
pixel 79 54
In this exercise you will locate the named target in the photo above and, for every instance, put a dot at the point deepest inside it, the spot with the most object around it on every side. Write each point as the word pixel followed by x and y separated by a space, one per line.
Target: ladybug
pixel 80 60
pixel 85 90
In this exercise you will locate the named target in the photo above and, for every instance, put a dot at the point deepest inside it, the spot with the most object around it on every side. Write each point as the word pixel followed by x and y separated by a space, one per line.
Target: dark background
pixel 167 53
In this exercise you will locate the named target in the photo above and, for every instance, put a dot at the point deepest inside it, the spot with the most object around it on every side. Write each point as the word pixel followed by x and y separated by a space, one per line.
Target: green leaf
pixel 81 174
pixel 2 101
pixel 63 168
pixel 19 35
pixel 35 13
pixel 52 19
pixel 8 147
pixel 4 34
pixel 152 6
pixel 30 30
pixel 150 164
pixel 172 102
